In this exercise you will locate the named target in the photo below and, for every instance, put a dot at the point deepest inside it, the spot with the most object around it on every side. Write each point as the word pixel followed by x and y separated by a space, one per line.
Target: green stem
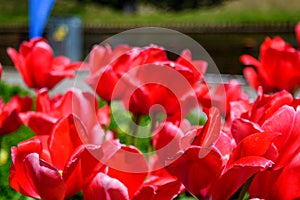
pixel 0 142
pixel 245 188
pixel 134 127
pixel 153 126
pixel 1 150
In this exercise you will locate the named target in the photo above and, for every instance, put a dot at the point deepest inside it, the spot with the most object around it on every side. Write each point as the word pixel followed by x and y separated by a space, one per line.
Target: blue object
pixel 39 12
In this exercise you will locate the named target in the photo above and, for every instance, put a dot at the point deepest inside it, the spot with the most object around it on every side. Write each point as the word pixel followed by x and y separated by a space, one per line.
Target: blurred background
pixel 225 28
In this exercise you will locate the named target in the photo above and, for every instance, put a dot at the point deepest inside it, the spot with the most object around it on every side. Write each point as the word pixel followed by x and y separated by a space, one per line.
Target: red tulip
pixel 247 154
pixel 269 130
pixel 105 75
pixel 266 105
pixel 272 113
pixel 9 120
pixel 143 77
pixel 278 67
pixel 117 183
pixel 45 166
pixel 38 67
pixel 252 155
pixel 33 177
pixel 101 56
pixel 237 108
pixel 208 169
pixel 195 151
pixel 50 110
pixel 172 85
pixel 167 141
pixel 169 84
pixel 159 184
pixel 124 172
pixel 46 115
pixel 222 167
pixel 223 96
pixel 285 182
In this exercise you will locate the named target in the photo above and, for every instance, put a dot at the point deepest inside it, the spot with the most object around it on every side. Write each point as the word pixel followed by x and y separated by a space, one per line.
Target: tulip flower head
pixel 38 66
pixel 278 67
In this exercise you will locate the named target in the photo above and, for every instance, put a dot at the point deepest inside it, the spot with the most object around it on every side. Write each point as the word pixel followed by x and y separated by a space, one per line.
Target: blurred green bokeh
pixel 229 11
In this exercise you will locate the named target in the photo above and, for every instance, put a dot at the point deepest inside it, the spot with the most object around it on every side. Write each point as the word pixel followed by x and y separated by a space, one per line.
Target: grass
pixel 235 12
pixel 232 11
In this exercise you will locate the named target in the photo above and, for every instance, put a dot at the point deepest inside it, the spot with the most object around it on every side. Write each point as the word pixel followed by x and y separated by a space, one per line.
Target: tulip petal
pixel 44 177
pixel 85 163
pixel 198 67
pixel 60 62
pixel 105 187
pixel 19 62
pixel 9 119
pixel 147 192
pixel 285 121
pixel 261 187
pixel 128 164
pixel 235 177
pixel 225 144
pixel 242 128
pixel 210 132
pixel 40 123
pixel 288 183
pixel 17 178
pixel 39 61
pixel 249 60
pixel 256 144
pixel 237 108
pixel 166 191
pixel 167 141
pixel 64 139
pixel 251 77
pixel 285 182
pixel 9 122
pixel 196 173
pixel 266 105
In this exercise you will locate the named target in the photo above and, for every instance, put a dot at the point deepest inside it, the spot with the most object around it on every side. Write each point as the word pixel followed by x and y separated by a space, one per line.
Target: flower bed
pixel 153 128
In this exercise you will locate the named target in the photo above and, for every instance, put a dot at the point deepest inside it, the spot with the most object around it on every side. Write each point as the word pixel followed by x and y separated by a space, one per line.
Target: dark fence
pixel 225 43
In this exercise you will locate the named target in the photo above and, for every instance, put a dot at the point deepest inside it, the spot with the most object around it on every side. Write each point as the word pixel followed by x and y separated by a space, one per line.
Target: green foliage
pixel 13 12
pixel 185 196
pixel 7 91
pixel 196 117
pixel 230 11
